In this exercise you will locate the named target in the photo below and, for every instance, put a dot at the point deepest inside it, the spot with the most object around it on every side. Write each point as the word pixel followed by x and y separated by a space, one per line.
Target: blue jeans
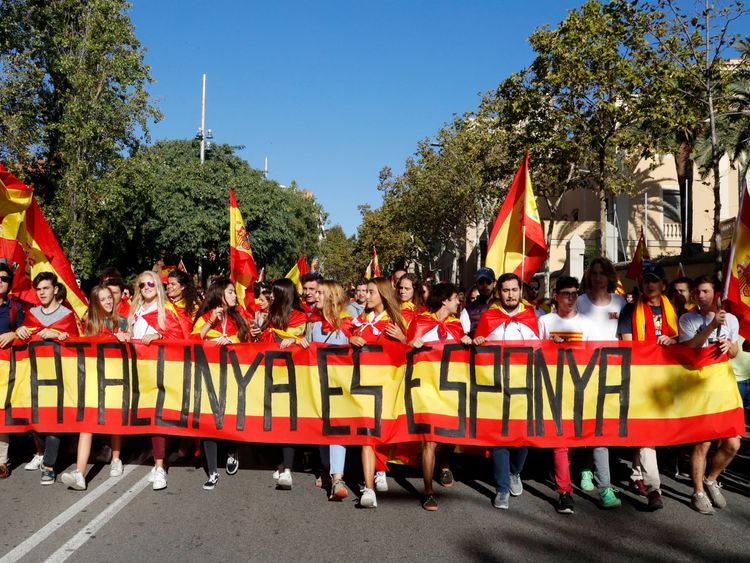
pixel 744 387
pixel 507 461
pixel 335 456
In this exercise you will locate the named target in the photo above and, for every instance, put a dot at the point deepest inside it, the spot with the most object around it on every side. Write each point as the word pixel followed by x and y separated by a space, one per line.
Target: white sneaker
pixel 160 479
pixel 74 480
pixel 35 464
pixel 368 499
pixel 276 475
pixel 152 475
pixel 115 470
pixel 285 480
pixel 381 483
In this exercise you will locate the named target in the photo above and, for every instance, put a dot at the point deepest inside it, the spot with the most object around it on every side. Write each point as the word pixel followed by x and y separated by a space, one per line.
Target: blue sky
pixel 331 91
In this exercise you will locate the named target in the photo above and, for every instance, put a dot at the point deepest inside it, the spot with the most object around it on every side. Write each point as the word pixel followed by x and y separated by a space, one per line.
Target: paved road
pixel 245 518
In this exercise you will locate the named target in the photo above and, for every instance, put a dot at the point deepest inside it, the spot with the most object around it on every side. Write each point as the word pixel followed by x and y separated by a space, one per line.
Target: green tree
pixel 336 256
pixel 696 44
pixel 163 202
pixel 597 95
pixel 73 101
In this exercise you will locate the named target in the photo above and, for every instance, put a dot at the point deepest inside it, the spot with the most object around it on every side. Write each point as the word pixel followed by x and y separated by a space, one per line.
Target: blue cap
pixel 651 269
pixel 486 273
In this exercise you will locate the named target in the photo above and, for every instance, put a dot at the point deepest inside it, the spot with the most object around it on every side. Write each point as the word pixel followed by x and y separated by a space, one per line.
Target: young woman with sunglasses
pixel 102 320
pixel 285 325
pixel 382 320
pixel 153 317
pixel 220 321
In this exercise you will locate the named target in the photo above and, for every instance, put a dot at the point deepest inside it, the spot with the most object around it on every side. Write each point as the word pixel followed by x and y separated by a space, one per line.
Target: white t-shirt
pixel 603 317
pixel 512 331
pixel 140 327
pixel 693 322
pixel 574 329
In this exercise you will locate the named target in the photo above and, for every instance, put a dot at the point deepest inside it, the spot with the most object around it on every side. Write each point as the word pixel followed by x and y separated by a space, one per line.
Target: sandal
pixel 4 471
pixel 430 503
pixel 446 478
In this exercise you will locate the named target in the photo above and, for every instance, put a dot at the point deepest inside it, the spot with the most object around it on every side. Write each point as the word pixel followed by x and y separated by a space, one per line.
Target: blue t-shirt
pixel 5 324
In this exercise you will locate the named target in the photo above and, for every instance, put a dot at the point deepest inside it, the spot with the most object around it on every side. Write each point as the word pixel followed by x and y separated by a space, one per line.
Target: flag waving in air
pixel 296 273
pixel 517 242
pixel 636 264
pixel 28 244
pixel 737 284
pixel 241 262
pixel 373 268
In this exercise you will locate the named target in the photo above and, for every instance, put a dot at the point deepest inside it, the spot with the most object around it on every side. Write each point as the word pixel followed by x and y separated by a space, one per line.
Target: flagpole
pixel 523 255
pixel 730 263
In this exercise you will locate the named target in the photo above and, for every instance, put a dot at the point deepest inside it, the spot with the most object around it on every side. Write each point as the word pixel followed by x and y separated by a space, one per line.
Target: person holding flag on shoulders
pixel 652 318
pixel 410 292
pixel 285 325
pixel 507 319
pixel 381 320
pixel 152 318
pixel 50 320
pixel 437 324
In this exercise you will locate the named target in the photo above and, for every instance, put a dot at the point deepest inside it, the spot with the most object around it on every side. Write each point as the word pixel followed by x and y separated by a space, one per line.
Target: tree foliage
pixel 73 102
pixel 162 202
pixel 337 257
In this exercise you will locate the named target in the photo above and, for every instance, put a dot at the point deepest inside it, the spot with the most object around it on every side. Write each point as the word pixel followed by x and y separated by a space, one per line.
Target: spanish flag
pixel 296 273
pixel 636 264
pixel 737 284
pixel 242 269
pixel 28 244
pixel 373 268
pixel 517 242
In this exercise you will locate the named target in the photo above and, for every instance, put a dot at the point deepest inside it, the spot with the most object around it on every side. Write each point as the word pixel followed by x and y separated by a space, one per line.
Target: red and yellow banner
pixel 522 393
pixel 737 284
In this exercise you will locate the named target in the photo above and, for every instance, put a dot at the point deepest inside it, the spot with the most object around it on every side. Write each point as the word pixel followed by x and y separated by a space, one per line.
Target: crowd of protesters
pixel 400 309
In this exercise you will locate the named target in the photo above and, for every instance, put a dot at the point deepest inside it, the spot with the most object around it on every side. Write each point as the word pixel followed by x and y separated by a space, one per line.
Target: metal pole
pixel 203 122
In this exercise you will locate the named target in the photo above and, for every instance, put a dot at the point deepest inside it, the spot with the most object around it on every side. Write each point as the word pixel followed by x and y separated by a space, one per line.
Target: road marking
pixel 74 543
pixel 46 531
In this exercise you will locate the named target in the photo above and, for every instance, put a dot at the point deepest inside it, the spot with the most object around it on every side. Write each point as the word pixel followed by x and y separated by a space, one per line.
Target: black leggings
pixel 211 451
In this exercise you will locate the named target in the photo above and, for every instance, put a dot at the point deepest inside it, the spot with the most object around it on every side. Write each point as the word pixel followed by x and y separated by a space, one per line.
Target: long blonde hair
pixel 390 302
pixel 334 302
pixel 161 299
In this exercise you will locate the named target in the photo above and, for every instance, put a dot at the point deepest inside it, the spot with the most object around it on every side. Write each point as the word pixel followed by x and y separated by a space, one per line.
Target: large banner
pixel 537 394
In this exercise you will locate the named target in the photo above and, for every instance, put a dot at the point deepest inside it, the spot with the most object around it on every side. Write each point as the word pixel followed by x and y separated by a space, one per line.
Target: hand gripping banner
pixel 514 393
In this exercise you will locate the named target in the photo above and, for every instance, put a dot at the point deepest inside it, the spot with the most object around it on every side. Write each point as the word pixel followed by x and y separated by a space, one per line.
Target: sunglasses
pixel 146 284
pixel 484 281
pixel 568 294
pixel 4 279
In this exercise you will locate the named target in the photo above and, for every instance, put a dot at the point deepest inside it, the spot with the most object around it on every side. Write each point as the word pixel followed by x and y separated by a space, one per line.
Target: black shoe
pixel 211 483
pixel 565 504
pixel 233 464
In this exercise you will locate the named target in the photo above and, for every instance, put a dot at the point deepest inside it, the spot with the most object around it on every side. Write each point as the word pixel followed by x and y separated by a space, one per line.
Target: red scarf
pixel 424 323
pixel 368 327
pixel 67 324
pixel 496 316
pixel 173 324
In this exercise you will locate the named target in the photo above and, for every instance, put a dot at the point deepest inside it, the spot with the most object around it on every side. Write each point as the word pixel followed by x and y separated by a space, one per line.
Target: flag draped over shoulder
pixel 297 271
pixel 517 242
pixel 636 264
pixel 737 285
pixel 29 245
pixel 242 269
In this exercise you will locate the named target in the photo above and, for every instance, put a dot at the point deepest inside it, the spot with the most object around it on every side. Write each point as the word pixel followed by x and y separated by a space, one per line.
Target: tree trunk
pixel 716 243
pixel 602 223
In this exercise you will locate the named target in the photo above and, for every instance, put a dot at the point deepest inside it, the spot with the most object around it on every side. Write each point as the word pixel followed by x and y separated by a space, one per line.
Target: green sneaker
pixel 587 480
pixel 607 498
